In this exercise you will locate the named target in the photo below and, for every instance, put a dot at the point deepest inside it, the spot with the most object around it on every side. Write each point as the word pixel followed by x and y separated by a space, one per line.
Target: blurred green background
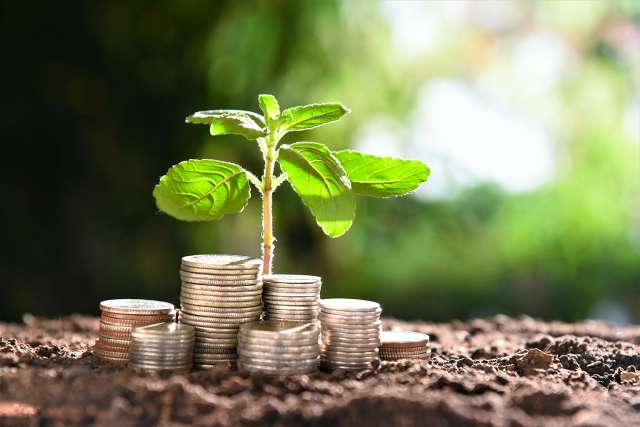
pixel 526 111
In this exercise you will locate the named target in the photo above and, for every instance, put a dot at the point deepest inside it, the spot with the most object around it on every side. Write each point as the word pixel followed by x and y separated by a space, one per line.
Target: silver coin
pixel 222 274
pixel 255 299
pixel 349 359
pixel 204 280
pixel 192 287
pixel 289 318
pixel 349 305
pixel 221 318
pixel 160 361
pixel 348 353
pixel 136 306
pixel 347 366
pixel 264 345
pixel 227 341
pixel 220 304
pixel 351 343
pixel 208 351
pixel 290 303
pixel 351 346
pixel 291 278
pixel 248 367
pixel 278 329
pixel 248 353
pixel 221 261
pixel 163 329
pixel 205 311
pixel 221 294
pixel 203 330
pixel 337 336
pixel 344 323
pixel 154 367
pixel 350 318
pixel 291 310
pixel 403 338
pixel 287 340
pixel 216 321
pixel 293 289
pixel 214 358
pixel 292 296
pixel 278 362
pixel 169 357
pixel 334 326
pixel 214 326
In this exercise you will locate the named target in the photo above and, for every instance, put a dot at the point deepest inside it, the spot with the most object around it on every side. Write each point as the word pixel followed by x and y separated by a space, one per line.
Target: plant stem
pixel 267 191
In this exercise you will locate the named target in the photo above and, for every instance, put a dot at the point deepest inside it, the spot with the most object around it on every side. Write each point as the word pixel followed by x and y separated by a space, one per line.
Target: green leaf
pixel 321 183
pixel 236 125
pixel 269 106
pixel 202 190
pixel 382 176
pixel 311 116
pixel 208 116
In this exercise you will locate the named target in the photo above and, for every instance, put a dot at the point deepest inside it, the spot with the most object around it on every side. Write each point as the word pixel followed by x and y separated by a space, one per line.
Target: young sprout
pixel 326 181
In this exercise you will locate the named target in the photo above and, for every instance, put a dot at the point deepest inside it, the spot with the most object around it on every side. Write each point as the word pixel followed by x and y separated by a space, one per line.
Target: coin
pixel 204 311
pixel 221 272
pixel 333 326
pixel 403 339
pixel 348 305
pixel 220 288
pixel 221 317
pixel 111 354
pixel 351 343
pixel 256 298
pixel 290 296
pixel 250 367
pixel 221 304
pixel 349 319
pixel 278 329
pixel 203 280
pixel 220 294
pixel 293 309
pixel 221 261
pixel 278 348
pixel 291 288
pixel 347 352
pixel 290 278
pixel 136 306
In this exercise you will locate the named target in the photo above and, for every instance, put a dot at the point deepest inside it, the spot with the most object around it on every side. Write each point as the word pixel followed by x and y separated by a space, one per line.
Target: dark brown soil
pixel 495 372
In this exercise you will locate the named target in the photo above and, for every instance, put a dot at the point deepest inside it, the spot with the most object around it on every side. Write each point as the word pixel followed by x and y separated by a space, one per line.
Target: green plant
pixel 326 181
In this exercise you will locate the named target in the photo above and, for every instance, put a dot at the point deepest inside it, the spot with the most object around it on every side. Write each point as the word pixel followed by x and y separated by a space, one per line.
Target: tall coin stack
pixel 218 294
pixel 119 317
pixel 291 297
pixel 397 345
pixel 278 347
pixel 350 333
pixel 162 347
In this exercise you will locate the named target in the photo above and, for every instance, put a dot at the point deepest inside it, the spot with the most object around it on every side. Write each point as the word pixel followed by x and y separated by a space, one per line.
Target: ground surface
pixel 495 372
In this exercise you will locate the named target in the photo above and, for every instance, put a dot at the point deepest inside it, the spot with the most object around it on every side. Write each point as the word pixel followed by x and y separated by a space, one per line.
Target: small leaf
pixel 236 125
pixel 269 106
pixel 311 116
pixel 382 176
pixel 321 183
pixel 207 117
pixel 202 190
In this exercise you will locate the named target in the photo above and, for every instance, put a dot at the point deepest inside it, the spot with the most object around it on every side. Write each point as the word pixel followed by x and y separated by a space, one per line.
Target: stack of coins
pixel 119 317
pixel 276 347
pixel 397 345
pixel 291 297
pixel 218 294
pixel 350 333
pixel 162 347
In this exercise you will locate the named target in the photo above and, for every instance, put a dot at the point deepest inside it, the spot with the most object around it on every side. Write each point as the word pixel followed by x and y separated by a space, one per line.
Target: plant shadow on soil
pixel 494 372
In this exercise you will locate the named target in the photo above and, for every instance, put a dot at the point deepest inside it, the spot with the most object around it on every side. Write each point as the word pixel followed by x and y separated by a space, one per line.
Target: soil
pixel 494 372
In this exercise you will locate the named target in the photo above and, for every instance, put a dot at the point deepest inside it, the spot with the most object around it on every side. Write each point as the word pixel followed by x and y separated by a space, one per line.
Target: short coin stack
pixel 291 297
pixel 119 317
pixel 397 345
pixel 276 347
pixel 218 294
pixel 162 347
pixel 350 333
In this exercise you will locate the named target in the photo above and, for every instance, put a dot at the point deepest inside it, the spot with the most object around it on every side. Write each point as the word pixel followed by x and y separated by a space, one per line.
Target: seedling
pixel 326 181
